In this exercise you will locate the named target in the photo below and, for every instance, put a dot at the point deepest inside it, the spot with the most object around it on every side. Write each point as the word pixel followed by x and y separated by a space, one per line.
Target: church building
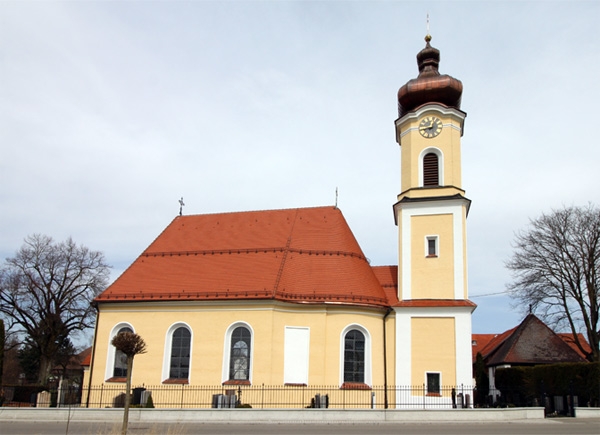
pixel 288 297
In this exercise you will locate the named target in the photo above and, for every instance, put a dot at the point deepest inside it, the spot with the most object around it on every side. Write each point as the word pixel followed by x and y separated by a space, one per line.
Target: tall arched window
pixel 120 365
pixel 179 367
pixel 239 354
pixel 431 170
pixel 354 356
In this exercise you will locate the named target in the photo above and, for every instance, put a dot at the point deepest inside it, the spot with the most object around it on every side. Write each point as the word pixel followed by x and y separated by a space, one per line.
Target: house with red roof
pixel 530 343
pixel 288 297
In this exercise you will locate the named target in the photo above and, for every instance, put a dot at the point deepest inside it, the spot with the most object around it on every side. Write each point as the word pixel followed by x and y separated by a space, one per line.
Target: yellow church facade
pixel 288 298
pixel 289 345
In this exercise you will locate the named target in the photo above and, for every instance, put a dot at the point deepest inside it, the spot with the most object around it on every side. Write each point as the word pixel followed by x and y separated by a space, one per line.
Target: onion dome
pixel 430 86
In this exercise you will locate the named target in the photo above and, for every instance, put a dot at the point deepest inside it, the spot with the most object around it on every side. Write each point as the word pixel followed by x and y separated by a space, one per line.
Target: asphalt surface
pixel 556 426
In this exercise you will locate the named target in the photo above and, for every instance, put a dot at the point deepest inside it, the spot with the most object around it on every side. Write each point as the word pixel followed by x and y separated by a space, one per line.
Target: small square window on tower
pixel 431 246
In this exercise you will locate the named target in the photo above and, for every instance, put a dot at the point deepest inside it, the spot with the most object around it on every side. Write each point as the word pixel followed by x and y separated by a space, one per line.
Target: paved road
pixel 558 426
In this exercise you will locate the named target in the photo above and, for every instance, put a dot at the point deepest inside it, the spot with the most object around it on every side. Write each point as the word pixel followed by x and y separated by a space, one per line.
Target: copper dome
pixel 430 86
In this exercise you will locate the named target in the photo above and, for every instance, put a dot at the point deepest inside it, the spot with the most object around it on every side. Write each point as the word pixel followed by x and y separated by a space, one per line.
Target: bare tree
pixel 3 345
pixel 555 269
pixel 46 291
pixel 131 345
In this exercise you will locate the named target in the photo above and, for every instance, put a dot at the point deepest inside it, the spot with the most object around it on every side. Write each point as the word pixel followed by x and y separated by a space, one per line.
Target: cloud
pixel 110 112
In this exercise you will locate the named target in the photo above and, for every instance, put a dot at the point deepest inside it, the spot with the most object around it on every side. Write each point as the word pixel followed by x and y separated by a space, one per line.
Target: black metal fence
pixel 279 396
pixel 112 395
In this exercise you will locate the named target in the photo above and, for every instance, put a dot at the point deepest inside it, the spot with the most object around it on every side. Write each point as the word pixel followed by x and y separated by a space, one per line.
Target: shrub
pixel 522 385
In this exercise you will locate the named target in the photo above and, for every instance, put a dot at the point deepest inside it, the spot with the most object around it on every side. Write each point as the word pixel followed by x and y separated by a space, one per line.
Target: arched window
pixel 120 365
pixel 354 356
pixel 180 354
pixel 239 354
pixel 431 171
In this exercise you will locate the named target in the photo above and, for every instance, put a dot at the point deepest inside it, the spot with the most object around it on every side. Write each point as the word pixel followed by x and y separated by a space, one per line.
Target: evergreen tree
pixel 482 381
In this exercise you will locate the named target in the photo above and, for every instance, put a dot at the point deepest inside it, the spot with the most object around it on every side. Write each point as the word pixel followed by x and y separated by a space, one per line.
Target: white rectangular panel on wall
pixel 295 357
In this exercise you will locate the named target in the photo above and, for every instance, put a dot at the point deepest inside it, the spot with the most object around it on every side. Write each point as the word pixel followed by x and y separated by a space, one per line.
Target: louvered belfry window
pixel 431 170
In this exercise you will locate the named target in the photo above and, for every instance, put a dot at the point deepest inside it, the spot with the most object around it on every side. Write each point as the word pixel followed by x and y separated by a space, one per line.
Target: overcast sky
pixel 112 111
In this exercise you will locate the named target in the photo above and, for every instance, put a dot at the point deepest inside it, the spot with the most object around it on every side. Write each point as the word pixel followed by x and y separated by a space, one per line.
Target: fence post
pixel 101 391
pixel 571 404
pixel 543 391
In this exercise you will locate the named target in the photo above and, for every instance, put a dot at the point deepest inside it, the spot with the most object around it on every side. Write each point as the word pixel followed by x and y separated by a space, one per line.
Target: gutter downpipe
pixel 385 381
pixel 89 388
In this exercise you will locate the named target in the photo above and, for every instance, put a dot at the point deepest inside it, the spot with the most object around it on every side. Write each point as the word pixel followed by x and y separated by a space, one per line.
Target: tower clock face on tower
pixel 430 126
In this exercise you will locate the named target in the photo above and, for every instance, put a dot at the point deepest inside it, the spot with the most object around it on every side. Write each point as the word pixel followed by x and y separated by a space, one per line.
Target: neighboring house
pixel 73 371
pixel 288 297
pixel 530 343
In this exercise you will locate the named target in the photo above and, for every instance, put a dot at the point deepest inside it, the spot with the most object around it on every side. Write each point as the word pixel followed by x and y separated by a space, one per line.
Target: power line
pixel 490 294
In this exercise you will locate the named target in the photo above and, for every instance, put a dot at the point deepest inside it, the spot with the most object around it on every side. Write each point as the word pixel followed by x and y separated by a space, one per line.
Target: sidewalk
pixel 144 415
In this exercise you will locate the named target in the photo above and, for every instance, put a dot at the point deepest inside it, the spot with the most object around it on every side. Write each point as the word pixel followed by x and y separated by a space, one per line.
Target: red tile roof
pixel 305 255
pixel 388 277
pixel 77 361
pixel 570 340
pixel 485 343
pixel 86 357
pixel 478 342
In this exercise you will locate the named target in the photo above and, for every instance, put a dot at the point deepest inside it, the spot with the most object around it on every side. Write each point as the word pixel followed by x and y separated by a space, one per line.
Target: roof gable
pixel 532 342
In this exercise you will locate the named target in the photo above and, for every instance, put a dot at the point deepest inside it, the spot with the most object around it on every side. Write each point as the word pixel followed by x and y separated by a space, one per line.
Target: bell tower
pixel 433 316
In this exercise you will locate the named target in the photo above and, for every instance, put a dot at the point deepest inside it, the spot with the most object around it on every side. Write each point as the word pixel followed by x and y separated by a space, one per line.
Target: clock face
pixel 430 126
